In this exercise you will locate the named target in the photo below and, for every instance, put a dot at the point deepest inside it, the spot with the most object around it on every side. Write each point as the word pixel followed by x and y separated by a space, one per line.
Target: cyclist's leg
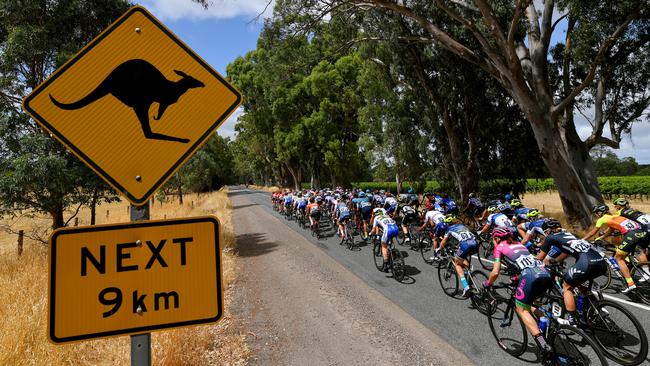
pixel 627 246
pixel 533 283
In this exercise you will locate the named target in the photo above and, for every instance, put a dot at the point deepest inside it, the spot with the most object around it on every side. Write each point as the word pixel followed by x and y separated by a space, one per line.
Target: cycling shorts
pixel 302 206
pixel 477 211
pixel 410 217
pixel 366 212
pixel 453 211
pixel 344 218
pixel 466 248
pixel 633 238
pixel 389 233
pixel 315 214
pixel 533 282
pixel 589 266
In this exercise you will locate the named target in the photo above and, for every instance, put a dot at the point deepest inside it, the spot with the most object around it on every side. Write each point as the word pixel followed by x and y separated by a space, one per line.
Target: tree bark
pixel 57 216
pixel 93 207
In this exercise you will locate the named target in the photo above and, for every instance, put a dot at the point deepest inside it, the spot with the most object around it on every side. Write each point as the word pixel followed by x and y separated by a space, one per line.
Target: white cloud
pixel 188 9
pixel 227 129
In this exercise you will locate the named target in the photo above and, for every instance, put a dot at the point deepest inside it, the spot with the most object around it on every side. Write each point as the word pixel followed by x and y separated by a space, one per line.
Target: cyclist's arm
pixel 495 271
pixel 594 231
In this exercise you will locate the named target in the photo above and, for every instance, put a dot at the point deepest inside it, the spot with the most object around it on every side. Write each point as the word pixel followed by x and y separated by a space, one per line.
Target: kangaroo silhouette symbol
pixel 138 84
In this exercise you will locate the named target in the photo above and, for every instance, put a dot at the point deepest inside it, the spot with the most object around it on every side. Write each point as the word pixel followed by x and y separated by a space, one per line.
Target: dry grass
pixel 270 189
pixel 549 203
pixel 23 309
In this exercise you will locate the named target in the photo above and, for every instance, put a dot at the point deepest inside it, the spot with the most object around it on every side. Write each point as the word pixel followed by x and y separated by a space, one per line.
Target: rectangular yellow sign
pixel 132 278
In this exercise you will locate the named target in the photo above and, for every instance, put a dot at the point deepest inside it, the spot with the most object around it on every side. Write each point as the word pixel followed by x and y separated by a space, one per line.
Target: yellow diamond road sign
pixel 132 278
pixel 134 104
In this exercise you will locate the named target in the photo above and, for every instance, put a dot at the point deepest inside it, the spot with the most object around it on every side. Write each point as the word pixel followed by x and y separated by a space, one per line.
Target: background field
pixel 23 310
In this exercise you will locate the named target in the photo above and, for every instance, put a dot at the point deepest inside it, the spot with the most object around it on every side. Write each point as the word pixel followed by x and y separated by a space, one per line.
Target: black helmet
pixel 600 208
pixel 472 195
pixel 551 224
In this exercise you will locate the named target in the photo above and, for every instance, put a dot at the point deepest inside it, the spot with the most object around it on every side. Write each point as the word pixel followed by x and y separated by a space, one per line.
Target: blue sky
pixel 228 29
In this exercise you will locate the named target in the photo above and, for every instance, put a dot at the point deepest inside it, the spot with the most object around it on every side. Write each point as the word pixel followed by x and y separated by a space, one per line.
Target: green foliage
pixel 606 163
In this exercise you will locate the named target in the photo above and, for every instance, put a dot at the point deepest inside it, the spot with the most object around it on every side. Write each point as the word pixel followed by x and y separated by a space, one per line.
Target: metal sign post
pixel 141 343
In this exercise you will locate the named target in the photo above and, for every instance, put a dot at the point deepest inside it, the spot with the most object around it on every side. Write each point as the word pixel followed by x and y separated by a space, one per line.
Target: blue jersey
pixel 521 212
pixel 459 232
pixel 302 203
pixel 535 227
pixel 363 202
pixel 449 203
pixel 475 202
pixel 342 210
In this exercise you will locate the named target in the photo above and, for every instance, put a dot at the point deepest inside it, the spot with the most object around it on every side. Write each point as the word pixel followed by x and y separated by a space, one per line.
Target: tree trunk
pixel 180 194
pixel 398 183
pixel 296 175
pixel 568 161
pixel 57 216
pixel 93 207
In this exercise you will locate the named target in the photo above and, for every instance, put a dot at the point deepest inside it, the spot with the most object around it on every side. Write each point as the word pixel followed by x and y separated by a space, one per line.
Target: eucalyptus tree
pixel 37 36
pixel 511 42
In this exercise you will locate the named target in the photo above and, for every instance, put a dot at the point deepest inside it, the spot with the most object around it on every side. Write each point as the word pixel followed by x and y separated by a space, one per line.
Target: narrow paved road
pixel 315 302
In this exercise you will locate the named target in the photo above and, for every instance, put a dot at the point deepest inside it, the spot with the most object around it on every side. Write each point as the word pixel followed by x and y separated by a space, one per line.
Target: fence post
pixel 76 221
pixel 21 234
pixel 544 210
pixel 107 213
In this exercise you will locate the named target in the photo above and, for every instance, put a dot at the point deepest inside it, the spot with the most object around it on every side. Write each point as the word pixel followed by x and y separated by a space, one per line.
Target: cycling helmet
pixel 381 191
pixel 515 203
pixel 501 233
pixel 362 194
pixel 337 196
pixel 472 195
pixel 533 212
pixel 319 199
pixel 551 224
pixel 508 197
pixel 621 202
pixel 602 208
pixel 492 209
pixel 368 190
pixel 378 211
pixel 409 191
pixel 449 219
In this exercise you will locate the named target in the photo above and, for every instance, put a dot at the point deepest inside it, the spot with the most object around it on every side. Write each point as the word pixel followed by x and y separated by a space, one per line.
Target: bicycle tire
pixel 349 239
pixel 503 318
pixel 479 295
pixel 377 256
pixel 605 280
pixel 573 346
pixel 398 265
pixel 426 249
pixel 448 278
pixel 608 333
pixel 485 253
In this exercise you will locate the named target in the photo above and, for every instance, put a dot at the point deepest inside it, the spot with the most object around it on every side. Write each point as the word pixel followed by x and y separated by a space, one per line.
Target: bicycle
pixel 615 329
pixel 485 252
pixel 635 267
pixel 570 345
pixel 450 283
pixel 395 259
pixel 348 235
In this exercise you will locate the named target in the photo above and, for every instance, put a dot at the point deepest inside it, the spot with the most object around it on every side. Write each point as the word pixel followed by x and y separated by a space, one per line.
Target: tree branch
pixel 557 109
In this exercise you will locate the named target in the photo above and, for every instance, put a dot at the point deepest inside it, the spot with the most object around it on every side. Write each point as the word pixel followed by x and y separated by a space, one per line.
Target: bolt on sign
pixel 132 278
pixel 134 104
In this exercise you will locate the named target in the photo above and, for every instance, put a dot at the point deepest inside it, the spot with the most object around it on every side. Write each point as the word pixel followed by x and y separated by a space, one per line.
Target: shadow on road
pixel 252 245
pixel 244 206
pixel 238 192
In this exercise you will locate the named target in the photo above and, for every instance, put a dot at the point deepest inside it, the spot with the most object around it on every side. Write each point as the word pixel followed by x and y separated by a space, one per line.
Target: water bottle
pixel 580 301
pixel 614 264
pixel 543 324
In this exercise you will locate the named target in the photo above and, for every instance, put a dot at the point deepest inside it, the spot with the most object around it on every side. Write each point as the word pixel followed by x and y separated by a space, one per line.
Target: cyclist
pixel 532 227
pixel 409 215
pixel 474 206
pixel 432 219
pixel 498 219
pixel 534 279
pixel 342 216
pixel 467 245
pixel 314 211
pixel 449 205
pixel 378 198
pixel 288 200
pixel 302 204
pixel 413 199
pixel 519 213
pixel 633 235
pixel 623 208
pixel 389 230
pixel 589 264
pixel 390 204
pixel 364 209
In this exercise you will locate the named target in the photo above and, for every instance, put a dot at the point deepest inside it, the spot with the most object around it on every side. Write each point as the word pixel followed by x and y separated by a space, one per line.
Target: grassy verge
pixel 23 309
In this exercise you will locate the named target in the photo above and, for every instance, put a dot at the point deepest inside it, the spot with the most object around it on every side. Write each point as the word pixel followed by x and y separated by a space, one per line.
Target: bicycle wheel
pixel 426 249
pixel 506 327
pixel 448 278
pixel 605 280
pixel 618 332
pixel 349 239
pixel 376 255
pixel 572 346
pixel 397 260
pixel 479 296
pixel 486 255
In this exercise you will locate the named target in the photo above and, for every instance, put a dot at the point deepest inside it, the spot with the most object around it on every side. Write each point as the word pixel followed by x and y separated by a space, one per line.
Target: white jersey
pixel 500 220
pixel 383 221
pixel 434 217
pixel 390 201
